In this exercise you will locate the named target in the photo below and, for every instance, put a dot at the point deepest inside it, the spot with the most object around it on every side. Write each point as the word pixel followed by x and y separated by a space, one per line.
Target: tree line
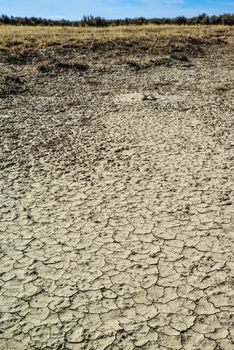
pixel 91 21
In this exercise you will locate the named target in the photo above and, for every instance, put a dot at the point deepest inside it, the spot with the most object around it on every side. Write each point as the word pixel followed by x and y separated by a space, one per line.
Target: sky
pixel 76 9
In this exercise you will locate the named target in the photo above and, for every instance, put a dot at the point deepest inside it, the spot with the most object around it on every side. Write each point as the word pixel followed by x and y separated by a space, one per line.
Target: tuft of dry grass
pixel 48 66
pixel 20 42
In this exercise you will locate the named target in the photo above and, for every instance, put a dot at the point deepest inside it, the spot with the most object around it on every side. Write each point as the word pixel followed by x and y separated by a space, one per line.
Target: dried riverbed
pixel 116 203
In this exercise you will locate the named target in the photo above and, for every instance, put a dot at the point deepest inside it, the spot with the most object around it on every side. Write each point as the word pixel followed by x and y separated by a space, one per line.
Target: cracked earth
pixel 116 208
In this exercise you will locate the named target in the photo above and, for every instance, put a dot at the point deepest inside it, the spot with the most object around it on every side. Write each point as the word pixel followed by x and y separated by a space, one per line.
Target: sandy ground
pixel 116 205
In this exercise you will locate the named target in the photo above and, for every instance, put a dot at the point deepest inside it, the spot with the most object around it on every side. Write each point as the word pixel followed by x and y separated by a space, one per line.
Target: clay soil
pixel 116 196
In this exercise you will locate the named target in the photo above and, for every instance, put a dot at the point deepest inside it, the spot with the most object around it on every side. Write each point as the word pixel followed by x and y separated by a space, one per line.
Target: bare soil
pixel 116 201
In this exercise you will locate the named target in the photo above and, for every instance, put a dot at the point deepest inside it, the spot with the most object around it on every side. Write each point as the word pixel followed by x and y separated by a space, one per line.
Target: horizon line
pixel 120 18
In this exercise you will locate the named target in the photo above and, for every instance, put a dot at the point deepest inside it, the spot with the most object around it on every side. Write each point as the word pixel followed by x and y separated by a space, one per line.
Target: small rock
pixel 149 98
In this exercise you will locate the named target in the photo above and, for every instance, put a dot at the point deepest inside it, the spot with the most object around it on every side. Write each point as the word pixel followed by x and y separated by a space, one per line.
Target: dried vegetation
pixel 35 44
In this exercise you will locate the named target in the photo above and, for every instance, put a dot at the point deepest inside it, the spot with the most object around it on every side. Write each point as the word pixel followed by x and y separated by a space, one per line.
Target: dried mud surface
pixel 116 206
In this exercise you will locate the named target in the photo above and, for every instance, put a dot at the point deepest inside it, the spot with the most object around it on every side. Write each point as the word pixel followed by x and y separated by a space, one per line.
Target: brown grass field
pixel 26 40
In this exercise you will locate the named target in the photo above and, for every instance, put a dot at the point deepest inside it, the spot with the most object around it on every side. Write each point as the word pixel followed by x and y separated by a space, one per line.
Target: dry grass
pixel 45 36
pixel 22 40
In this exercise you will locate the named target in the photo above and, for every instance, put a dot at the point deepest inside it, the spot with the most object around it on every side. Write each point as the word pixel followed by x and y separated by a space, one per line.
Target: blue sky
pixel 75 9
